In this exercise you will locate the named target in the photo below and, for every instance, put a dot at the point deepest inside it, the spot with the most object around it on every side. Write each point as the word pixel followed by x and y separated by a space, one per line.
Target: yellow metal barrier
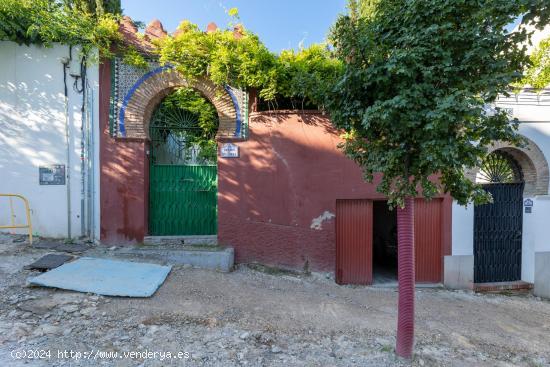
pixel 12 215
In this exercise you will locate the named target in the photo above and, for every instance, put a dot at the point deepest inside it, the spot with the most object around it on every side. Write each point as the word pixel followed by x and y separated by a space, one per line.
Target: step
pixel 200 256
pixel 181 240
pixel 518 285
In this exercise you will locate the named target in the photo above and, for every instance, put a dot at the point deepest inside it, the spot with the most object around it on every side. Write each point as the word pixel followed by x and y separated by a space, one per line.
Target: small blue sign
pixel 229 150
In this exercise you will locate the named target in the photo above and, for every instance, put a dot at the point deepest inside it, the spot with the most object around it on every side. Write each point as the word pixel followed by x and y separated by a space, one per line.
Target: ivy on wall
pixel 237 57
pixel 89 24
pixel 190 100
pixel 232 56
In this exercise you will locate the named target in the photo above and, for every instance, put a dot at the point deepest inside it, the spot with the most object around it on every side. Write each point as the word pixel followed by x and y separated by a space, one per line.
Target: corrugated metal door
pixel 354 242
pixel 427 237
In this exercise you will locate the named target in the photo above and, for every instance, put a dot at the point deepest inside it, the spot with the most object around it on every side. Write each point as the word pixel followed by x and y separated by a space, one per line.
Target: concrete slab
pixel 105 277
pixel 206 257
pixel 181 240
pixel 542 274
pixel 459 271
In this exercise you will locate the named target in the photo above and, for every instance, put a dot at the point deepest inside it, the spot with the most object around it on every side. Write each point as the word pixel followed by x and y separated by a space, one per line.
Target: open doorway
pixel 384 243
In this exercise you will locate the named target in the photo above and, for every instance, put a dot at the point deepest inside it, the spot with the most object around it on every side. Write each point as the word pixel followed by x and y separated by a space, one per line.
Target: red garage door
pixel 354 242
pixel 427 240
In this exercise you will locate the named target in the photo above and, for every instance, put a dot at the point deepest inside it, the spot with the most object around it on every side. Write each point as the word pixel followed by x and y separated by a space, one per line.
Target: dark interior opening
pixel 384 243
pixel 285 103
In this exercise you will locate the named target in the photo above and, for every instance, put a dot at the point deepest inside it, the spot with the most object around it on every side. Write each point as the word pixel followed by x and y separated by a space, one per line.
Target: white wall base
pixel 463 229
pixel 542 274
pixel 459 272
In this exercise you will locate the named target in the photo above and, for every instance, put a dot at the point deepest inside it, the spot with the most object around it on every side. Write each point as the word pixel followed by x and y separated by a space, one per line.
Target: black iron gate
pixel 497 234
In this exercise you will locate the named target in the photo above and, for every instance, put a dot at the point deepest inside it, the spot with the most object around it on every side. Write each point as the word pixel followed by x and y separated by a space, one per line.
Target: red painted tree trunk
pixel 405 265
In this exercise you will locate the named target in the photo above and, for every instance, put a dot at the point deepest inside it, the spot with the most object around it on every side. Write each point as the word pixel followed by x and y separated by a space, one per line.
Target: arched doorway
pixel 139 107
pixel 498 225
pixel 182 165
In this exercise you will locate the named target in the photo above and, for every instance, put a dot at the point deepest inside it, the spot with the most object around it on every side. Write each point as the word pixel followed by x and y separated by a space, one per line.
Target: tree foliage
pixel 84 23
pixel 538 73
pixel 419 76
pixel 97 7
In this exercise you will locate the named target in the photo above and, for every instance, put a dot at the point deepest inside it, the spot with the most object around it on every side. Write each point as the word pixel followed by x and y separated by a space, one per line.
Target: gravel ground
pixel 254 318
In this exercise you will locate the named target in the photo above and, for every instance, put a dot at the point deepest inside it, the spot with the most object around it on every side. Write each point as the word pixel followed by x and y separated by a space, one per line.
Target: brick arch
pixel 152 87
pixel 533 165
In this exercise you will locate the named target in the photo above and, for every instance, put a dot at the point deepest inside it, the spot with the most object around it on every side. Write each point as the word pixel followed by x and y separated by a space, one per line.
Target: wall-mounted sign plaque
pixel 229 150
pixel 52 175
pixel 528 204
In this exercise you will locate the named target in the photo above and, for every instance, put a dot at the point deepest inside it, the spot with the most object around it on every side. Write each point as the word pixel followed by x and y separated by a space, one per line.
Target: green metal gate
pixel 183 176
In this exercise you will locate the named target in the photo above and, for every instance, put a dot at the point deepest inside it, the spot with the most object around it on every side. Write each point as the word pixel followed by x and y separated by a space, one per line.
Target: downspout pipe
pixel 66 65
pixel 84 152
pixel 91 169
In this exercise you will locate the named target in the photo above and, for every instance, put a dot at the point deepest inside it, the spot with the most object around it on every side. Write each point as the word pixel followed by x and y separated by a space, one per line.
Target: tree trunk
pixel 406 278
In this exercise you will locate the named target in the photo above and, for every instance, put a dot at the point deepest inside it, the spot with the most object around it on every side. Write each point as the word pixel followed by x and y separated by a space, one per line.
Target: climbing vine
pixel 192 101
pixel 205 115
pixel 237 57
pixel 241 61
pixel 308 75
pixel 81 23
pixel 231 56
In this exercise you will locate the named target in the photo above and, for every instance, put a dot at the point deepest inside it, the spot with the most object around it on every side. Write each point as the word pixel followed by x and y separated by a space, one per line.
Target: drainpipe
pixel 84 152
pixel 89 165
pixel 78 72
pixel 66 62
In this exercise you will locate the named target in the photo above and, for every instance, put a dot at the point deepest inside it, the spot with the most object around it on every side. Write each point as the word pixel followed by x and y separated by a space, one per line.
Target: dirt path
pixel 252 318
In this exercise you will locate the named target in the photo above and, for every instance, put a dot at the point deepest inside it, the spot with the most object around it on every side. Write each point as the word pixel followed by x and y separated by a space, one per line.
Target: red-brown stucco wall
pixel 289 173
pixel 124 177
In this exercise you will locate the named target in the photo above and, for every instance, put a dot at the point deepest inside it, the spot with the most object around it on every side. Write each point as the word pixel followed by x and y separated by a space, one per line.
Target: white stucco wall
pixel 32 134
pixel 463 230
pixel 534 113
